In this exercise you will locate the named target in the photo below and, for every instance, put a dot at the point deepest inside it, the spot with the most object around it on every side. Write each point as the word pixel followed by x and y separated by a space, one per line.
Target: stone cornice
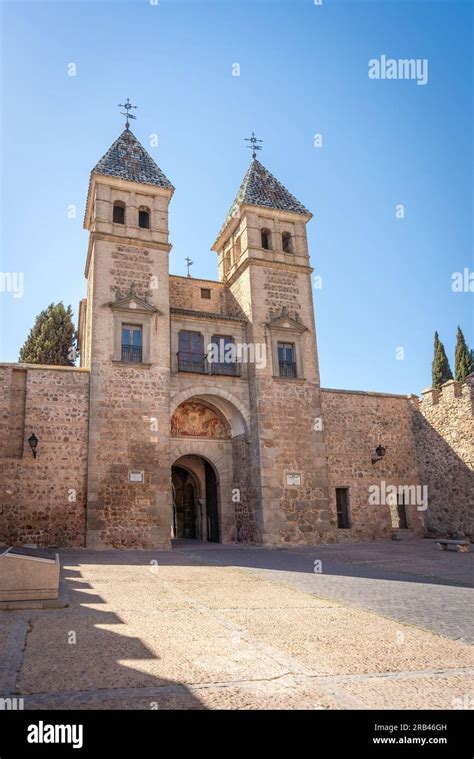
pixel 205 315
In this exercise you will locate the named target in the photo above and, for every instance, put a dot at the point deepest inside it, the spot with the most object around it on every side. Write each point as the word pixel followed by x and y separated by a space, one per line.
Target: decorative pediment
pixel 283 320
pixel 131 302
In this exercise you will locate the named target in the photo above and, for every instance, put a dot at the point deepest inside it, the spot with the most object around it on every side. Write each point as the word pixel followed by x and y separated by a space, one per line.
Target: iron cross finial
pixel 253 144
pixel 127 105
pixel 188 264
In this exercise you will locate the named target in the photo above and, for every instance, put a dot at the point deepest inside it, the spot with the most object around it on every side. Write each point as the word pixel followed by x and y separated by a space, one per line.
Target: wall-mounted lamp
pixel 380 453
pixel 33 443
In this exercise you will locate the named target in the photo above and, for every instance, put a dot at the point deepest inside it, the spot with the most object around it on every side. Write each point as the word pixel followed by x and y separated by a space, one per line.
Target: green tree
pixel 440 369
pixel 52 339
pixel 462 358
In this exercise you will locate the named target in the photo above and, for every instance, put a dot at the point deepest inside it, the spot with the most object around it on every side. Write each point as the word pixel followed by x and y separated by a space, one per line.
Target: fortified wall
pixel 443 432
pixel 43 500
pixel 355 423
pixel 429 442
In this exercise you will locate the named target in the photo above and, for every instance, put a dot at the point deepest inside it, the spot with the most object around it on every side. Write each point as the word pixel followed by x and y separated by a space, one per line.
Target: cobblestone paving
pixel 410 581
pixel 246 628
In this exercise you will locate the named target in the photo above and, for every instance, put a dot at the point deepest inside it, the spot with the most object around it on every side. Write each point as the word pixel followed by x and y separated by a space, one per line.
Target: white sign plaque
pixel 136 476
pixel 293 479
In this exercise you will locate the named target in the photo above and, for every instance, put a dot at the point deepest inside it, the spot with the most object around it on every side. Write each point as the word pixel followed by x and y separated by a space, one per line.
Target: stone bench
pixel 463 546
pixel 28 574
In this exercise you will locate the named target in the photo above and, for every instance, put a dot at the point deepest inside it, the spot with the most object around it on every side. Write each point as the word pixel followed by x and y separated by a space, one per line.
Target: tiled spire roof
pixel 260 188
pixel 128 159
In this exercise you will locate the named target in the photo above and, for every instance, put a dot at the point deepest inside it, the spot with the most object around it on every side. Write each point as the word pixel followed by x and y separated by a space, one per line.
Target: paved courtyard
pixel 378 625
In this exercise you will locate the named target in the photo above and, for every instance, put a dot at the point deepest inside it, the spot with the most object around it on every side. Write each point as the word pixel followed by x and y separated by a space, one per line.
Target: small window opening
pixel 342 507
pixel 144 218
pixel 119 212
pixel 265 235
pixel 286 241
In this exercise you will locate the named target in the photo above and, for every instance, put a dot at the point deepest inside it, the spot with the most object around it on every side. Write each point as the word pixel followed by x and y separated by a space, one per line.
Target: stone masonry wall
pixel 185 292
pixel 246 525
pixel 444 436
pixel 290 443
pixel 43 500
pixel 355 424
pixel 287 449
pixel 129 403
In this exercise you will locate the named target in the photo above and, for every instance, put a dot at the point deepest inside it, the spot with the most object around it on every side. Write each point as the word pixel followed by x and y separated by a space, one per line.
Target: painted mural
pixel 194 419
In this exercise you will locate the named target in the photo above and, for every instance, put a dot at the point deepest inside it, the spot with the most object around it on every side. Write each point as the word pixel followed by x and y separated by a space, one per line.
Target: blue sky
pixel 303 70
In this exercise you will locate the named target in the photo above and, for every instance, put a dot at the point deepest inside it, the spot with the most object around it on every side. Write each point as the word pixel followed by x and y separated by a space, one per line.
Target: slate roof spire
pixel 128 159
pixel 260 188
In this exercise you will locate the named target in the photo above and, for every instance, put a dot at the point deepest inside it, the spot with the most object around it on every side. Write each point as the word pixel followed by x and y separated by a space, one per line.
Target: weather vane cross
pixel 127 105
pixel 253 144
pixel 188 264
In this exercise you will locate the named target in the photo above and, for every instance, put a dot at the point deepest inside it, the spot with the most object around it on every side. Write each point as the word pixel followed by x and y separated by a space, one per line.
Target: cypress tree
pixel 462 358
pixel 440 369
pixel 52 339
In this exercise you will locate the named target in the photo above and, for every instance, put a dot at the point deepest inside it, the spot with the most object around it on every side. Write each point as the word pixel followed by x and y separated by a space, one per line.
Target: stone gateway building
pixel 197 410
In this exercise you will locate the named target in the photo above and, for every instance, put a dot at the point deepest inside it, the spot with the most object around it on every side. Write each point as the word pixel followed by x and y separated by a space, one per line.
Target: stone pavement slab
pixel 409 581
pixel 232 628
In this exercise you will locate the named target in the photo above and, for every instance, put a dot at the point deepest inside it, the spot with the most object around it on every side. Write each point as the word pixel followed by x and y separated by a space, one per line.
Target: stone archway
pixel 186 512
pixel 215 457
pixel 232 408
pixel 212 428
pixel 195 499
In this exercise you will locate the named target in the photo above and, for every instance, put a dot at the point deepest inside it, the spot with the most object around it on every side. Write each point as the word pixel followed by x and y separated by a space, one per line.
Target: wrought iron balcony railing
pixel 288 369
pixel 230 368
pixel 191 362
pixel 197 362
pixel 132 354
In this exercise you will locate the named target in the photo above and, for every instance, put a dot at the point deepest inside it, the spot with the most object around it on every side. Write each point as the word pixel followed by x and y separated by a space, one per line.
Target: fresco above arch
pixel 195 419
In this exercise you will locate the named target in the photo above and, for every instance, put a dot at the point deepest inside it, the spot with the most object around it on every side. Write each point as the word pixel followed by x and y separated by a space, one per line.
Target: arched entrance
pixel 185 503
pixel 195 499
pixel 212 426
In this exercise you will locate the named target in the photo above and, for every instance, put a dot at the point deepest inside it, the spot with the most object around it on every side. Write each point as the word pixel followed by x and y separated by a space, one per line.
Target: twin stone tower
pixel 183 442
pixel 197 411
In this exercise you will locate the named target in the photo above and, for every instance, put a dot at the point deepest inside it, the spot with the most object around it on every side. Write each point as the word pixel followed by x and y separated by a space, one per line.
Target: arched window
pixel 266 239
pixel 144 217
pixel 119 212
pixel 286 242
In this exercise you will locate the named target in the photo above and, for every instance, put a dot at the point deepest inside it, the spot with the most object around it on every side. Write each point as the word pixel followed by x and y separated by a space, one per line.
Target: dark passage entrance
pixel 185 502
pixel 211 504
pixel 195 500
